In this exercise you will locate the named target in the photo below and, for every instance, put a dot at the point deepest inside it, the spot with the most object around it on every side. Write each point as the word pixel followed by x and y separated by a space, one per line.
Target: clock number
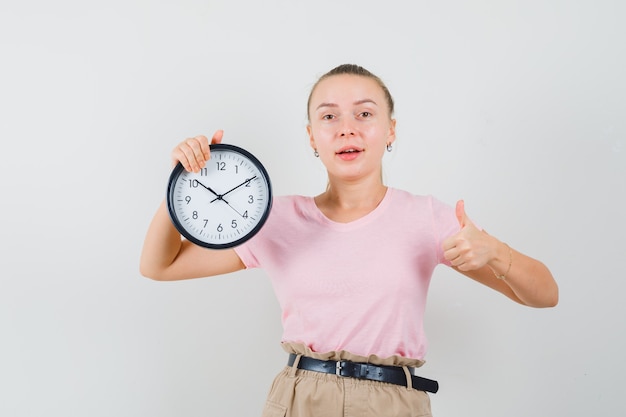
pixel 220 228
pixel 221 166
pixel 233 224
pixel 236 169
pixel 187 199
pixel 245 214
pixel 206 221
pixel 204 172
pixel 250 199
pixel 193 184
pixel 195 215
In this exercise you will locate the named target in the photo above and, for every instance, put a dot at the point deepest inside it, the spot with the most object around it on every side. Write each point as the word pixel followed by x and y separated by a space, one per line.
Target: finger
pixel 451 254
pixel 197 156
pixel 457 262
pixel 206 149
pixel 461 216
pixel 449 243
pixel 460 213
pixel 190 154
pixel 217 137
pixel 179 156
pixel 455 257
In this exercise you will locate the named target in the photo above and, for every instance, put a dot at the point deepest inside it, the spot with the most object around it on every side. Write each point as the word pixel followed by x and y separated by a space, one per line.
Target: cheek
pixel 376 134
pixel 322 133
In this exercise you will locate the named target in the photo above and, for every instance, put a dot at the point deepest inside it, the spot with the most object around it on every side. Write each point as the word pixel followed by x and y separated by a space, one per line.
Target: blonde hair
pixel 352 69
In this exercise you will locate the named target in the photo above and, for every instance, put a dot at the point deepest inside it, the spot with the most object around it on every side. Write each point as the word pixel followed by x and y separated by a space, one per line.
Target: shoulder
pixel 285 207
pixel 427 201
pixel 425 207
pixel 290 202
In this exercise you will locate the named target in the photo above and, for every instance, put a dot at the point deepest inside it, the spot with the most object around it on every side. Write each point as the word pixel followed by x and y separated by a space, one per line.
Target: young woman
pixel 351 266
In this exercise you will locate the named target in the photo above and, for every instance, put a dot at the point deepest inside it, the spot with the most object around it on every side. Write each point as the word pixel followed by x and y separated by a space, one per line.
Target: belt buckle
pixel 338 368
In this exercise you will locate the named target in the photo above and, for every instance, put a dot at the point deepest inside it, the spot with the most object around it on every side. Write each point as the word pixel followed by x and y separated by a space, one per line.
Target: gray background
pixel 515 106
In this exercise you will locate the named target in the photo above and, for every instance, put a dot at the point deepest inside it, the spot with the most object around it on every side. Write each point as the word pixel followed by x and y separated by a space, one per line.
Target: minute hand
pixel 240 185
pixel 233 189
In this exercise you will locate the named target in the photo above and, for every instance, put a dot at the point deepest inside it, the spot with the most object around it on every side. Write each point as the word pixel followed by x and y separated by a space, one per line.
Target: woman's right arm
pixel 168 257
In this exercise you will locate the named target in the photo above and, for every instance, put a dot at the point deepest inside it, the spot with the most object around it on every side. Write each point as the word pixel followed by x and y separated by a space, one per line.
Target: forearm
pixel 530 280
pixel 161 246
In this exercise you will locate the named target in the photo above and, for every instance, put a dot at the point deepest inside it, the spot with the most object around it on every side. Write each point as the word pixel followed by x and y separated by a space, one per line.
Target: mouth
pixel 349 150
pixel 349 153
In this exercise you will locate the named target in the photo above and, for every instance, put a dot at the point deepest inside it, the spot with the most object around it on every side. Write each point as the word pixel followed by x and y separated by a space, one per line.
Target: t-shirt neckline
pixel 369 217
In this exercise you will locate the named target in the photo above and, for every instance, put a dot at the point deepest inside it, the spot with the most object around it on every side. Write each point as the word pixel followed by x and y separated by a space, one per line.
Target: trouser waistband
pixel 391 374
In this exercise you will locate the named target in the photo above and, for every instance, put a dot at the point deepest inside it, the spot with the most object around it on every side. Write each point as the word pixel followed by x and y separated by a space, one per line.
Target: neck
pixel 354 195
pixel 346 201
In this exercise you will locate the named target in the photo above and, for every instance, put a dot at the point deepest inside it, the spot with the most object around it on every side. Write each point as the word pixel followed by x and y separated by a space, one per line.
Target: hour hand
pixel 219 197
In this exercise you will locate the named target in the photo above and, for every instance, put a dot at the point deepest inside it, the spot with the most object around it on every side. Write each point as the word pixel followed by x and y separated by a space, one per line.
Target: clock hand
pixel 243 183
pixel 219 197
pixel 234 209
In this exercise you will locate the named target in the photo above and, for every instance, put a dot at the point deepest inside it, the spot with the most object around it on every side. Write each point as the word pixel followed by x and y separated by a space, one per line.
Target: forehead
pixel 341 87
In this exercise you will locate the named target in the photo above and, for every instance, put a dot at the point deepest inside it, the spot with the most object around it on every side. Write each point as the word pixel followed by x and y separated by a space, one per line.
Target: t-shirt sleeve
pixel 244 251
pixel 445 224
pixel 253 251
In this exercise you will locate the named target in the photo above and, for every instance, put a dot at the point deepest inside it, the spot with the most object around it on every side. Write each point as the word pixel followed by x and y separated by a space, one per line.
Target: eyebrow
pixel 356 103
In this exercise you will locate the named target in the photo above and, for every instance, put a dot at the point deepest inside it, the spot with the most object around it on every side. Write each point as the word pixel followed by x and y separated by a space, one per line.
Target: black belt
pixel 390 374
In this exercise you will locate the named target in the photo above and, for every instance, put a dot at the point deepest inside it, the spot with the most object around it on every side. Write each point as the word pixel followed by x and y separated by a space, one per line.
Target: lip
pixel 345 155
pixel 345 149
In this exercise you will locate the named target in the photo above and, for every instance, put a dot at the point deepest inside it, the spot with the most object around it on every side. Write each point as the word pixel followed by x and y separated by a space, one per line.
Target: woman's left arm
pixel 482 257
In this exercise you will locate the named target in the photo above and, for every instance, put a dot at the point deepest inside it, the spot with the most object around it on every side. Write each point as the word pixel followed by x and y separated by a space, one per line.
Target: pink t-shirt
pixel 359 286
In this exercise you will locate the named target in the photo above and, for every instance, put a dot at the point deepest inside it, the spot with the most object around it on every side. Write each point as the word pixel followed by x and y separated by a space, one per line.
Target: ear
pixel 309 131
pixel 391 137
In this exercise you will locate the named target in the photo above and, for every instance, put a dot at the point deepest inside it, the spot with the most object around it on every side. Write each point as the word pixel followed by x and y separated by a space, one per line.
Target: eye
pixel 328 116
pixel 366 114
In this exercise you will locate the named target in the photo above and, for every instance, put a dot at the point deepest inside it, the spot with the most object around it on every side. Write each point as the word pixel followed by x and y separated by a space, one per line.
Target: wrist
pixel 501 264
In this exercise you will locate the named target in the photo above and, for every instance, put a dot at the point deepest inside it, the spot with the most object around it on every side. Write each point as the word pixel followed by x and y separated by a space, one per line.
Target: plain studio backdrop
pixel 518 107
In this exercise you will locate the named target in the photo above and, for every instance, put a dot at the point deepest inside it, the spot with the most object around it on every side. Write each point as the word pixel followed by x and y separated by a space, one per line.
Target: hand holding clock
pixel 193 153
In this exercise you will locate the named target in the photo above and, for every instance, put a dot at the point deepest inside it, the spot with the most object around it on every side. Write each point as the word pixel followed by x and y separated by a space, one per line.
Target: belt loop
pixel 294 367
pixel 409 380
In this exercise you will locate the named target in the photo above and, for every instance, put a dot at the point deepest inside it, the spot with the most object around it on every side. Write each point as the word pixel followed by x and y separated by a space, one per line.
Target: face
pixel 350 126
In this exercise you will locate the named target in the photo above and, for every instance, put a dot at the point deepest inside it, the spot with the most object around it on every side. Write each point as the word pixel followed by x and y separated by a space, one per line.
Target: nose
pixel 346 129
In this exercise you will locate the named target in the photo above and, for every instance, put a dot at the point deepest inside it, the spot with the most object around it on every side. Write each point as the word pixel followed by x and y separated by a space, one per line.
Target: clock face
pixel 224 204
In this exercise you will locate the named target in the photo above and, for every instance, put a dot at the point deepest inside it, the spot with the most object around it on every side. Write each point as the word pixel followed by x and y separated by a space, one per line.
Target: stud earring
pixel 389 147
pixel 317 155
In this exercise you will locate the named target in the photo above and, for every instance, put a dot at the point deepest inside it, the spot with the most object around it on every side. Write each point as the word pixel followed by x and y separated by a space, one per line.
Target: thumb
pixel 217 137
pixel 460 213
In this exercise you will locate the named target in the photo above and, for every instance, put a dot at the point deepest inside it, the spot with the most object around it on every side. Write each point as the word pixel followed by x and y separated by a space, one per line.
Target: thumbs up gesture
pixel 471 248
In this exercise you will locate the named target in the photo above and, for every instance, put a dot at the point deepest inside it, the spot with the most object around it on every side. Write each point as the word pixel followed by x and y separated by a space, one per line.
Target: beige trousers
pixel 300 393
